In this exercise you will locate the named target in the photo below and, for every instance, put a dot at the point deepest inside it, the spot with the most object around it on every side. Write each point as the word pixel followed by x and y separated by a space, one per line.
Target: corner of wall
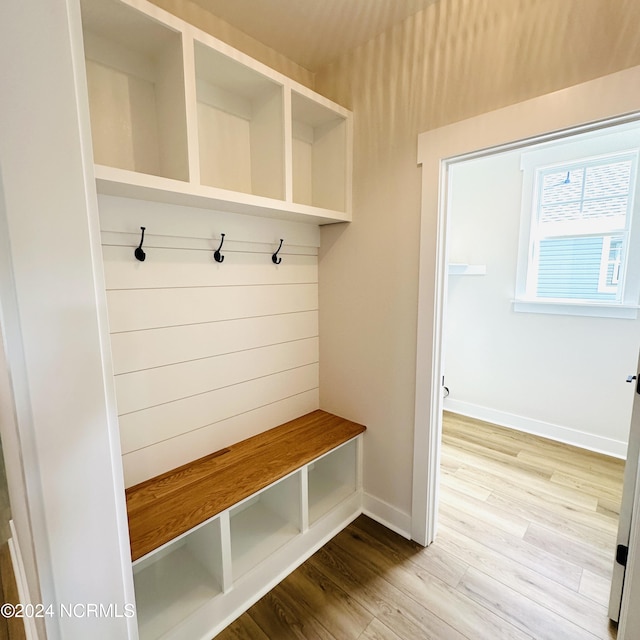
pixel 387 515
pixel 207 21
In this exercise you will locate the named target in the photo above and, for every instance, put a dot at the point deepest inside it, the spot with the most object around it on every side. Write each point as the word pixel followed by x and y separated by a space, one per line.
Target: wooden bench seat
pixel 164 507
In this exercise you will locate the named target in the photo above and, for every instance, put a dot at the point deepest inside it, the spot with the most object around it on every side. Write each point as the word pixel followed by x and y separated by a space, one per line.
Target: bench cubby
pixel 331 479
pixel 210 538
pixel 264 523
pixel 178 579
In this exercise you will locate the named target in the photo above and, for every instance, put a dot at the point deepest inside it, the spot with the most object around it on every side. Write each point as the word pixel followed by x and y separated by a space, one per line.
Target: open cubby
pixel 319 154
pixel 178 116
pixel 332 479
pixel 240 126
pixel 264 523
pixel 212 536
pixel 135 79
pixel 178 579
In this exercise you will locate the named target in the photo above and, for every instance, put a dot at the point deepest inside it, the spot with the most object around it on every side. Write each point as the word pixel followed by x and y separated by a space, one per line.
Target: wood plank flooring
pixel 10 628
pixel 524 551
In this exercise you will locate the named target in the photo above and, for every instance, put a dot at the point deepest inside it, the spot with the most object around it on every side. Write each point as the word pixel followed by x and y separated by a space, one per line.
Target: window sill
pixel 593 309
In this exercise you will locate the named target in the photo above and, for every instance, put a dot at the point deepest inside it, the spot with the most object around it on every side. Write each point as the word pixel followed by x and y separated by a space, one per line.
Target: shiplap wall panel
pixel 124 215
pixel 152 460
pixel 209 244
pixel 136 350
pixel 175 268
pixel 132 310
pixel 144 428
pixel 206 354
pixel 151 387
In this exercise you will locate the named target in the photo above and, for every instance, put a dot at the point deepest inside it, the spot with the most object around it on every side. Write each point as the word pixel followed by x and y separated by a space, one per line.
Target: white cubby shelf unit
pixel 178 116
pixel 197 567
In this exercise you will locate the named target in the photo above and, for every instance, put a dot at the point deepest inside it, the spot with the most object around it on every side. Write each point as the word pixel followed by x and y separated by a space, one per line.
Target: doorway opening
pixel 576 110
pixel 547 359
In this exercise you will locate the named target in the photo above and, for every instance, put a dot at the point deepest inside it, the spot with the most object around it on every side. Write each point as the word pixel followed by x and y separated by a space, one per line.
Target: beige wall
pixel 456 59
pixel 196 15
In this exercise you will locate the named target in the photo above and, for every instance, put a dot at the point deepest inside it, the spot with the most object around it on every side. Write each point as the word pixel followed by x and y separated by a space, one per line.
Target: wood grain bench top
pixel 170 504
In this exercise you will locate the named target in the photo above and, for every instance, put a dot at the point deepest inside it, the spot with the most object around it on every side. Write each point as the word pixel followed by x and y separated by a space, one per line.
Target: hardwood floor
pixel 524 552
pixel 10 628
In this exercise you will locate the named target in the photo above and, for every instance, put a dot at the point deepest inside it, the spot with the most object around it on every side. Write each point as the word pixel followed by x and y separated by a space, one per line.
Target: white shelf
pixel 460 269
pixel 240 126
pixel 129 184
pixel 175 582
pixel 319 154
pixel 170 102
pixel 332 479
pixel 255 534
pixel 135 81
pixel 324 495
pixel 264 523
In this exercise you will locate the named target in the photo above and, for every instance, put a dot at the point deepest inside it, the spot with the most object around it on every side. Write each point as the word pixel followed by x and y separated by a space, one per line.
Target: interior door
pixel 626 507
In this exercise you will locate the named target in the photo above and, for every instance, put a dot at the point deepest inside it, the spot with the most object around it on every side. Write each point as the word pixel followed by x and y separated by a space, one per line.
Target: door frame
pixel 611 99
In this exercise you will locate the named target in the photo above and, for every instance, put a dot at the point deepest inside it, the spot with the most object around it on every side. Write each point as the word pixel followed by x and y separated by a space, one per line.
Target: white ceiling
pixel 313 32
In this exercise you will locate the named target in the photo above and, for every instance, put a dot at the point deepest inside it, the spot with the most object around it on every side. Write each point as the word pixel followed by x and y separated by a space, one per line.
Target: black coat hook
pixel 274 257
pixel 139 253
pixel 217 256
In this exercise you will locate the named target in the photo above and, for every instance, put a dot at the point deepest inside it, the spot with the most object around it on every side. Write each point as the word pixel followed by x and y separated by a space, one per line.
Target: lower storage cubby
pixel 264 523
pixel 178 579
pixel 332 478
pixel 210 538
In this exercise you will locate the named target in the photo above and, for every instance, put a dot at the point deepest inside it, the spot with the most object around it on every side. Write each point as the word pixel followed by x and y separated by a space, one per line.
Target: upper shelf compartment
pixel 319 154
pixel 240 126
pixel 179 117
pixel 135 82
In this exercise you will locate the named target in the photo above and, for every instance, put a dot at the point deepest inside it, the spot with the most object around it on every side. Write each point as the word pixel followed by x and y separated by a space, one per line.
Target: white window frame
pixel 603 285
pixel 544 156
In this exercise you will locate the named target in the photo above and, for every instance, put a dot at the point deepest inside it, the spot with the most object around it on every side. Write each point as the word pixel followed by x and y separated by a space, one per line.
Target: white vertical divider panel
pixel 172 125
pixel 359 463
pixel 288 148
pixel 304 499
pixel 206 353
pixel 225 547
pixel 193 151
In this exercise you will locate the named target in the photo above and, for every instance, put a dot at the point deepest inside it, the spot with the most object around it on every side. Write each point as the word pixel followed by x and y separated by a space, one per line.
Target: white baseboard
pixel 387 515
pixel 590 441
pixel 31 631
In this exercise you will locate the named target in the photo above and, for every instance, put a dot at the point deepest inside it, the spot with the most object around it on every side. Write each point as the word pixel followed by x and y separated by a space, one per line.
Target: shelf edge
pixel 128 184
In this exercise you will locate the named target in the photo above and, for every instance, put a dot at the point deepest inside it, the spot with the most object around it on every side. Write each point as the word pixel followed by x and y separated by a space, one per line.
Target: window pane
pixel 610 208
pixel 562 186
pixel 570 268
pixel 579 211
pixel 560 212
pixel 608 180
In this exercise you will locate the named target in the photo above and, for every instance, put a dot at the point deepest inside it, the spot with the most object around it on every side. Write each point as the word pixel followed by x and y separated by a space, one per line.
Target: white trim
pixel 387 515
pixel 458 269
pixel 582 439
pixel 31 631
pixel 432 292
pixel 592 310
pixel 628 620
pixel 611 99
